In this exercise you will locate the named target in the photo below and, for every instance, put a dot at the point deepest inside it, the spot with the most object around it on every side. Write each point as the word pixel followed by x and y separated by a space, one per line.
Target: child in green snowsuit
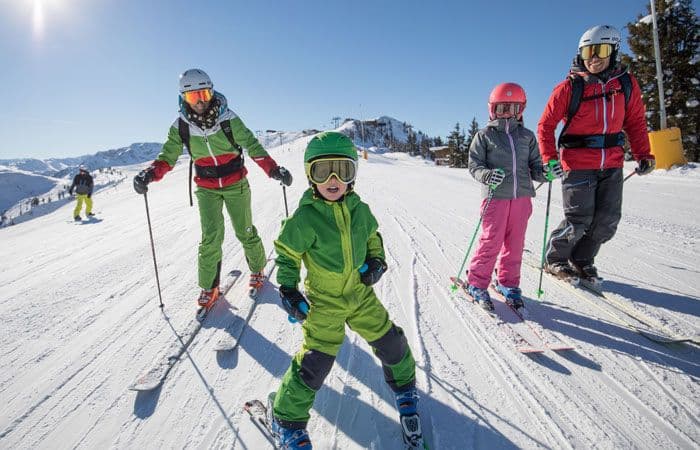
pixel 335 234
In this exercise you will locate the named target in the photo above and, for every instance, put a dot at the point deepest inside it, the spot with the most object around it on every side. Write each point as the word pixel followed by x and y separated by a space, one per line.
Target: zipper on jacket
pixel 605 125
pixel 342 217
pixel 515 169
pixel 216 163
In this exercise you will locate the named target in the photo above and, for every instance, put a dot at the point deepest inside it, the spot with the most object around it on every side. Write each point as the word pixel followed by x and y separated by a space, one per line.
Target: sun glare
pixel 38 19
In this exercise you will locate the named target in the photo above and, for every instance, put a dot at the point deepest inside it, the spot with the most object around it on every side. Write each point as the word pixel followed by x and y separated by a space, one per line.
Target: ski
pixel 234 330
pixel 643 326
pixel 522 344
pixel 545 336
pixel 411 432
pixel 258 414
pixel 154 376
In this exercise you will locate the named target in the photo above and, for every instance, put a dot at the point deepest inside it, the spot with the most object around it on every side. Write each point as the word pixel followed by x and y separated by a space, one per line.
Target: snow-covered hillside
pixel 81 321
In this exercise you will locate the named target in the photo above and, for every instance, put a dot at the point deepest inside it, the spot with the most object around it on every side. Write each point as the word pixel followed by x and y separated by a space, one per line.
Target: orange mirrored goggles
pixel 200 95
pixel 600 50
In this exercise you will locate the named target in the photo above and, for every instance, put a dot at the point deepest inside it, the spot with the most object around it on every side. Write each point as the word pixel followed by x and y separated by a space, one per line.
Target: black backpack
pixel 577 97
pixel 184 129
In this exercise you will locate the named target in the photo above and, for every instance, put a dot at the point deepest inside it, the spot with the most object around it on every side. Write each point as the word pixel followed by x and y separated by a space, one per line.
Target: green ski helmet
pixel 330 143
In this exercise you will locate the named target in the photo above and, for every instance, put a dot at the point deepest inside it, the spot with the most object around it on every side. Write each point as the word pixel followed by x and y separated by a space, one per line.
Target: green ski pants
pixel 80 198
pixel 236 198
pixel 324 332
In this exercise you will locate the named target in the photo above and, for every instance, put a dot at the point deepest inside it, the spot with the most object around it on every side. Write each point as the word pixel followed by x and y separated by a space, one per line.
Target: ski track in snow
pixel 90 324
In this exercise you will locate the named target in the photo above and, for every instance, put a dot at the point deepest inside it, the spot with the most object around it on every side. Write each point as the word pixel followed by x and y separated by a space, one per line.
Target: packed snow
pixel 81 321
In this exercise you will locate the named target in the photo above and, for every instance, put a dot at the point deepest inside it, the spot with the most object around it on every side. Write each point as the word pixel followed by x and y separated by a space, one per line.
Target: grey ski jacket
pixel 508 145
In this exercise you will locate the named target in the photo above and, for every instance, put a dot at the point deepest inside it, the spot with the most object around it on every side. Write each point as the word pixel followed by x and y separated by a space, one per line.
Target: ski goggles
pixel 600 50
pixel 321 170
pixel 200 95
pixel 513 109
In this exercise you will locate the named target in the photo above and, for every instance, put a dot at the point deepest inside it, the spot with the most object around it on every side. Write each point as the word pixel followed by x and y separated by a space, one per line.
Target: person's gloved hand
pixel 494 177
pixel 645 166
pixel 282 174
pixel 552 170
pixel 372 270
pixel 294 303
pixel 142 179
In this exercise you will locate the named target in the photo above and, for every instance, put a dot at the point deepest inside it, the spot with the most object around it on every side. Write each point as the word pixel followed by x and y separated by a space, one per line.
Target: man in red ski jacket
pixel 597 102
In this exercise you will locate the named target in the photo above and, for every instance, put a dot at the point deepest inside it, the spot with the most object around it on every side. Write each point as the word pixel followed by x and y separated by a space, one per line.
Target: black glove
pixel 282 174
pixel 90 195
pixel 294 303
pixel 494 177
pixel 645 166
pixel 142 179
pixel 553 170
pixel 374 268
pixel 70 191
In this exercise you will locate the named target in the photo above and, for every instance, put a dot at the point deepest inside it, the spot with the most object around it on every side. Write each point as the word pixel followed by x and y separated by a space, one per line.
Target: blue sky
pixel 80 76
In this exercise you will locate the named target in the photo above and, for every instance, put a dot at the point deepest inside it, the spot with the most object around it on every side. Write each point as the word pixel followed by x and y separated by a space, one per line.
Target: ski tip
pixel 561 348
pixel 529 350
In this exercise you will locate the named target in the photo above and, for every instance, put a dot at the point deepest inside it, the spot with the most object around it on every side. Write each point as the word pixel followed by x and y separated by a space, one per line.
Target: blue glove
pixel 294 303
pixel 372 270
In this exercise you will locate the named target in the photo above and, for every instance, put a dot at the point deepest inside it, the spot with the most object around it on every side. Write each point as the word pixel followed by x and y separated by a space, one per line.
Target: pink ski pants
pixel 502 232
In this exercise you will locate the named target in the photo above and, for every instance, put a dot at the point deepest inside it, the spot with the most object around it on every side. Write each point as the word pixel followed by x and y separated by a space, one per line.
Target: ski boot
pixel 407 404
pixel 588 272
pixel 77 218
pixel 207 297
pixel 290 438
pixel 481 296
pixel 563 271
pixel 90 214
pixel 513 296
pixel 256 283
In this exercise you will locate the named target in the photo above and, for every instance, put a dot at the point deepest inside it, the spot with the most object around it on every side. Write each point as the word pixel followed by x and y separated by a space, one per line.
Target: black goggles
pixel 321 170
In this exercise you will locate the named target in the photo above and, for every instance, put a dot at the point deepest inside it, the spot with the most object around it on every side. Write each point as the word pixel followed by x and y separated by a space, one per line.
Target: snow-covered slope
pixel 80 321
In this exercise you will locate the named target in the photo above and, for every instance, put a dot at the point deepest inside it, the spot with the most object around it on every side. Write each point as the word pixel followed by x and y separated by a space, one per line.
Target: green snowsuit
pixel 334 239
pixel 211 148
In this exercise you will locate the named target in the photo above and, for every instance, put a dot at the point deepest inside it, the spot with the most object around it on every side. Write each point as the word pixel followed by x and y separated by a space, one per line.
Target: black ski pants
pixel 592 201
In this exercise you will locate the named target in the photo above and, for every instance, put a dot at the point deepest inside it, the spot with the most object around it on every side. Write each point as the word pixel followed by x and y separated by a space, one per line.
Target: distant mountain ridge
pixel 61 167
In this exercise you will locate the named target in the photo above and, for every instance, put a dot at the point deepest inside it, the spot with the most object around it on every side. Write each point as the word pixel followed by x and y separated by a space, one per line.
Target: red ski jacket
pixel 605 114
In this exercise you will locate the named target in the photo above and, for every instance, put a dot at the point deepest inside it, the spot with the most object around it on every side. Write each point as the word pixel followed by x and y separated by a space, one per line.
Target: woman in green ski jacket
pixel 216 135
pixel 335 235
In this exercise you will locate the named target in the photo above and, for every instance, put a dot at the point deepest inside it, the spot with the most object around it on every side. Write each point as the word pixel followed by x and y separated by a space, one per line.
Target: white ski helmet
pixel 600 34
pixel 82 168
pixel 193 79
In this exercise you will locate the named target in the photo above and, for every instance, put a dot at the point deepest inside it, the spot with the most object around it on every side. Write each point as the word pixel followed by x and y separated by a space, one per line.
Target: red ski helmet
pixel 507 93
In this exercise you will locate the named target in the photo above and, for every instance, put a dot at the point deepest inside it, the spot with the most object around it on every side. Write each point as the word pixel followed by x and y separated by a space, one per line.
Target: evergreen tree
pixel 679 42
pixel 473 129
pixel 438 142
pixel 455 141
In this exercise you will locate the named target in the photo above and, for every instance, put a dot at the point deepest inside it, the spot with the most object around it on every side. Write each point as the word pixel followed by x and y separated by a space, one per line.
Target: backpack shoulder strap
pixel 226 127
pixel 184 129
pixel 574 102
pixel 626 83
pixel 576 95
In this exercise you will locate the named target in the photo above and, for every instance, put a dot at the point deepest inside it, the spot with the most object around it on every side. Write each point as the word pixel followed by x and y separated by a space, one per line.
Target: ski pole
pixel 153 249
pixel 284 193
pixel 471 243
pixel 544 239
pixel 629 176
